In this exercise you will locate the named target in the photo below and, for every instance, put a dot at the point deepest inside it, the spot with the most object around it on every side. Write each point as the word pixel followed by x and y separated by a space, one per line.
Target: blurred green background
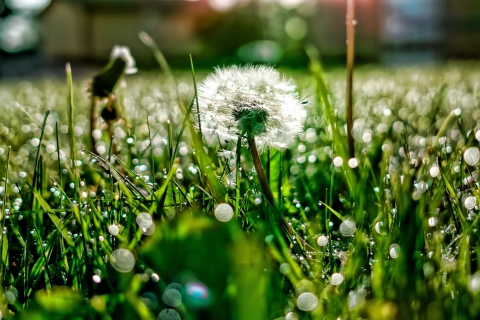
pixel 39 36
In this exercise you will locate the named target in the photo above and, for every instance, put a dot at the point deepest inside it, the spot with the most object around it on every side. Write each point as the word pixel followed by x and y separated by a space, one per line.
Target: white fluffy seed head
pixel 254 100
pixel 124 53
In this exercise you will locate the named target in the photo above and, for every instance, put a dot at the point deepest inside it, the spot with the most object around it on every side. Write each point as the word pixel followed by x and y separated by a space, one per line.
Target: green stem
pixel 93 124
pixel 237 176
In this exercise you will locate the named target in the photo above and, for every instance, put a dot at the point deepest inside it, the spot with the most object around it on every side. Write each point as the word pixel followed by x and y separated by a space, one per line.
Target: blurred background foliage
pixel 39 36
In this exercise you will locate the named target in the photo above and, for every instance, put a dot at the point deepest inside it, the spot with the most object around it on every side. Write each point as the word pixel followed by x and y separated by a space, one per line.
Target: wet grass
pixel 389 234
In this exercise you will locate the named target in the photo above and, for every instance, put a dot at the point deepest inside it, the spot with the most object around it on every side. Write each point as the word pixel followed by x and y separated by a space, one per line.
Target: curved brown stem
pixel 268 192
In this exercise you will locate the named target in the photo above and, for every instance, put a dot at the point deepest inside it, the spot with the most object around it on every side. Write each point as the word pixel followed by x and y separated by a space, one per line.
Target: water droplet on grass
pixel 168 314
pixel 304 285
pixel 347 228
pixel 434 171
pixel 471 156
pixel 432 221
pixel 223 212
pixel 474 282
pixel 172 297
pixel 113 229
pixel 337 161
pixel 285 268
pixel 470 202
pixel 322 241
pixel 307 301
pixel 353 163
pixel 149 231
pixel 122 260
pixel 269 238
pixel 291 316
pixel 336 279
pixel 144 220
pixel 394 251
pixel 10 297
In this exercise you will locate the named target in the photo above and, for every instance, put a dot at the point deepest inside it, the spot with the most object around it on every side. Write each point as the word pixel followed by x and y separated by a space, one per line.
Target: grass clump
pixel 131 232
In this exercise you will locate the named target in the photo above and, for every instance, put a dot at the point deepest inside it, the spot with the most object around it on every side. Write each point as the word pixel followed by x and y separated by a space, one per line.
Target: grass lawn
pixel 159 225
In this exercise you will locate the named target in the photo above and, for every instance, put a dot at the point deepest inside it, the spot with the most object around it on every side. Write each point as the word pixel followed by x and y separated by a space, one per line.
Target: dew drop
pixel 285 268
pixel 347 228
pixel 471 156
pixel 474 282
pixel 394 251
pixel 172 297
pixel 122 260
pixel 113 229
pixel 379 228
pixel 144 220
pixel 470 202
pixel 353 163
pixel 307 301
pixel 291 316
pixel 96 278
pixel 304 285
pixel 434 171
pixel 337 161
pixel 336 279
pixel 322 241
pixel 169 314
pixel 223 212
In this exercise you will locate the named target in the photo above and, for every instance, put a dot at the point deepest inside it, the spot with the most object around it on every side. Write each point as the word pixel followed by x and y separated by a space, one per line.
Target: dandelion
pixel 103 86
pixel 124 53
pixel 254 106
pixel 251 101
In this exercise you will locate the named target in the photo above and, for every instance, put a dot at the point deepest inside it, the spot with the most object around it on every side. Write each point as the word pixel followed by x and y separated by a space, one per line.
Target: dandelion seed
pixel 252 100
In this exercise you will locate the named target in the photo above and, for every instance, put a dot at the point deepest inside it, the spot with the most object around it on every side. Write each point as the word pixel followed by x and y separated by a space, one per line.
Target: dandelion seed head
pixel 254 100
pixel 124 53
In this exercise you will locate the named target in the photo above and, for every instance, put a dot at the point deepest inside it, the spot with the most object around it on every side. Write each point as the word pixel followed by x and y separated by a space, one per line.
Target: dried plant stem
pixel 93 123
pixel 350 63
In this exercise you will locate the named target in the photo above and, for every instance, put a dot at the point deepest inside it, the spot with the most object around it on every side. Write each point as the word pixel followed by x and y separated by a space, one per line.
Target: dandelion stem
pixel 237 176
pixel 350 62
pixel 261 173
pixel 268 192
